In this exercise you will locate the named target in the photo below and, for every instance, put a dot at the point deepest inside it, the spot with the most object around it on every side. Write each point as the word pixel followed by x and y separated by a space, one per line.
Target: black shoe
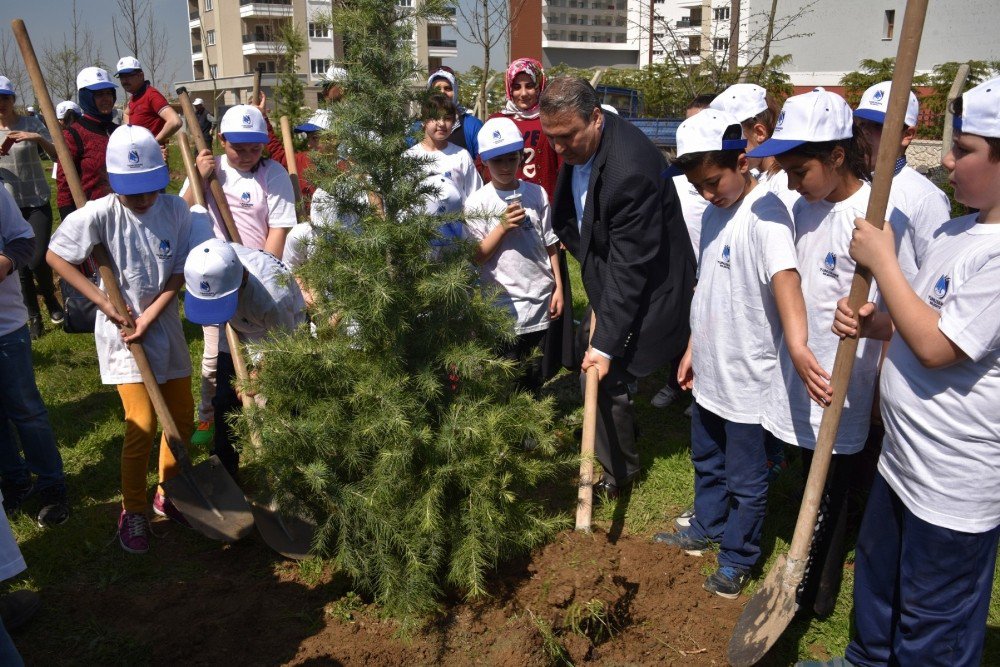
pixel 55 507
pixel 57 315
pixel 13 495
pixel 607 489
pixel 18 607
pixel 35 327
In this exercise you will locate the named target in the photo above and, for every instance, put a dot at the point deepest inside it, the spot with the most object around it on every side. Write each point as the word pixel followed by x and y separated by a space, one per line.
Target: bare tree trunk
pixel 734 37
pixel 766 54
pixel 487 43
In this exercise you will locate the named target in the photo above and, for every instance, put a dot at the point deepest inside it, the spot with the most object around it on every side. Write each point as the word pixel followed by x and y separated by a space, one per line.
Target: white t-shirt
pixel 13 226
pixel 822 239
pixel 778 184
pixel 454 174
pixel 941 453
pixel 520 269
pixel 735 325
pixel 693 207
pixel 322 213
pixel 924 208
pixel 258 200
pixel 146 250
pixel 269 301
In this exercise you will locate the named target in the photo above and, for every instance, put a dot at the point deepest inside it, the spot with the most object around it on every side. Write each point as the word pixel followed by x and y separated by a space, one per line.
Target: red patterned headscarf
pixel 532 68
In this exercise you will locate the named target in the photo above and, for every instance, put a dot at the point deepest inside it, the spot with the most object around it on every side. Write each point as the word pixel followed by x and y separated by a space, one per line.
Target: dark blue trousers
pixel 921 592
pixel 730 485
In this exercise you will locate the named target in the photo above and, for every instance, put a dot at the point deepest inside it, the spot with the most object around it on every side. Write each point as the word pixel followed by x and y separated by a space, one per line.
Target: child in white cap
pixel 922 205
pixel 517 250
pixel 827 164
pixel 927 550
pixel 257 295
pixel 147 236
pixel 748 296
pixel 262 202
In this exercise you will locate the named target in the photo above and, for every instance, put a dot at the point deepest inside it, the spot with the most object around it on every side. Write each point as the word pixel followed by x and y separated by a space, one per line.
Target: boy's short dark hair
pixel 438 105
pixel 724 159
pixel 992 142
pixel 701 101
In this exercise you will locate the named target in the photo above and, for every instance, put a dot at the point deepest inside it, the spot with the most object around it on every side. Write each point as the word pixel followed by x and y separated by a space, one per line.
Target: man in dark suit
pixel 620 217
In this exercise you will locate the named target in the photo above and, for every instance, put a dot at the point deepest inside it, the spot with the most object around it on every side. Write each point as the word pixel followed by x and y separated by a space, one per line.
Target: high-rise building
pixel 589 33
pixel 232 39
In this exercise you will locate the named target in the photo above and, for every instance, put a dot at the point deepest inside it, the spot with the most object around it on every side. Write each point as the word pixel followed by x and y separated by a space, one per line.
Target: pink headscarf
pixel 532 68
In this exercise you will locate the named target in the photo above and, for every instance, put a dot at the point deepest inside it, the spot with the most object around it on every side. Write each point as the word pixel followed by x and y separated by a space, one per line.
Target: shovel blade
pixel 288 534
pixel 209 499
pixel 765 617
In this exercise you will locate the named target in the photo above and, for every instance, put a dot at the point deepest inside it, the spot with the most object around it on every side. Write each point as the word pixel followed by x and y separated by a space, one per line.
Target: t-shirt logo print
pixel 164 249
pixel 724 262
pixel 829 268
pixel 938 292
pixel 245 201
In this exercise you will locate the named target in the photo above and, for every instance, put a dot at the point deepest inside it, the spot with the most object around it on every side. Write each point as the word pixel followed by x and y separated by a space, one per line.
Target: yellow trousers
pixel 140 429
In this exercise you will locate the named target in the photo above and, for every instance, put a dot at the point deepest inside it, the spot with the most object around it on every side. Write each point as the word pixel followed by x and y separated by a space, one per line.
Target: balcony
pixel 444 43
pixel 689 23
pixel 442 48
pixel 261 45
pixel 266 8
pixel 688 52
pixel 194 19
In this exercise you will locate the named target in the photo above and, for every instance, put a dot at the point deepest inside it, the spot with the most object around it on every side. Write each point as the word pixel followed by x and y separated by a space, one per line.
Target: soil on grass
pixel 580 599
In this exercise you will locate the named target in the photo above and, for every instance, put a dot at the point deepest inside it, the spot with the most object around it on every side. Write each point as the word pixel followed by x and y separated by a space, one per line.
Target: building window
pixel 208 5
pixel 319 30
pixel 319 65
pixel 267 66
pixel 720 13
pixel 889 26
pixel 210 37
pixel 404 3
pixel 720 44
pixel 213 71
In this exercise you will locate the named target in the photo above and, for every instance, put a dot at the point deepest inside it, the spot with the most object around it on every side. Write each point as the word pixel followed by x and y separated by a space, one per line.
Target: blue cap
pixel 212 275
pixel 210 311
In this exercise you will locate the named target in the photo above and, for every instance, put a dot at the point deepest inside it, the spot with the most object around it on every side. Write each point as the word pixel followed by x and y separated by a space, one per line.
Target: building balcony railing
pixel 443 43
pixel 194 15
pixel 196 48
pixel 247 39
pixel 687 52
pixel 688 23
pixel 265 2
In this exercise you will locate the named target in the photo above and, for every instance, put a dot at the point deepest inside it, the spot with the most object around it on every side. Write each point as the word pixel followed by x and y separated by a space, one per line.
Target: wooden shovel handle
pixel 585 492
pixel 213 181
pixel 878 201
pixel 194 181
pixel 293 167
pixel 100 255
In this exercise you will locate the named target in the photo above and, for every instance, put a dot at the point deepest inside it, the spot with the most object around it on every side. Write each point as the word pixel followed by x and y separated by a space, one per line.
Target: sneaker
pixel 727 581
pixel 35 327
pixel 692 546
pixel 57 315
pixel 55 507
pixel 164 507
pixel 204 435
pixel 664 397
pixel 133 532
pixel 13 495
pixel 17 608
pixel 683 520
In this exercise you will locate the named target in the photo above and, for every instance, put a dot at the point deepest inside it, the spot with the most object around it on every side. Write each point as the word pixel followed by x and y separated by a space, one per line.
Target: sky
pixel 49 20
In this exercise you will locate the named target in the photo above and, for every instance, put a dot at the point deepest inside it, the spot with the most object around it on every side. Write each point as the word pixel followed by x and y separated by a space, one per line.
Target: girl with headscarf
pixel 525 81
pixel 466 131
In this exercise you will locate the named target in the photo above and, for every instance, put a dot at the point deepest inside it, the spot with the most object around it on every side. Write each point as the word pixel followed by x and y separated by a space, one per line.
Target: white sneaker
pixel 683 520
pixel 664 397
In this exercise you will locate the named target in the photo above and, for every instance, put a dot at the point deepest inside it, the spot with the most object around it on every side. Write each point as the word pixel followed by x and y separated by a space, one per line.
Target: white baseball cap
pixel 6 87
pixel 65 106
pixel 127 65
pixel 135 162
pixel 320 120
pixel 703 132
pixel 244 124
pixel 93 78
pixel 816 116
pixel 875 101
pixel 197 101
pixel 335 75
pixel 499 136
pixel 213 274
pixel 743 100
pixel 981 110
pixel 610 109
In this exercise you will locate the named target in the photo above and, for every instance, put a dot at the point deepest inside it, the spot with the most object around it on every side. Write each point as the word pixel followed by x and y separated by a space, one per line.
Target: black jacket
pixel 633 247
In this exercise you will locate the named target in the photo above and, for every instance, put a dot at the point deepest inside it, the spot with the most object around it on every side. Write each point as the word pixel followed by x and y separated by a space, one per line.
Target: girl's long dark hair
pixel 857 152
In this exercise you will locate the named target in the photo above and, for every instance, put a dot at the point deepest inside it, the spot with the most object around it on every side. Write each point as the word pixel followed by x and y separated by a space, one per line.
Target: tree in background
pixel 396 427
pixel 138 33
pixel 61 62
pixel 869 73
pixel 12 67
pixel 487 24
pixel 289 96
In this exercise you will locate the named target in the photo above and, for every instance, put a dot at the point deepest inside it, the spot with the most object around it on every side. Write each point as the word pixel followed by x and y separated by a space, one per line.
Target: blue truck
pixel 629 104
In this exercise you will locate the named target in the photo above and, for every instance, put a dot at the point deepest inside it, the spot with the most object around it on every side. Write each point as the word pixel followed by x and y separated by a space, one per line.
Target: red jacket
pixel 277 152
pixel 87 140
pixel 541 163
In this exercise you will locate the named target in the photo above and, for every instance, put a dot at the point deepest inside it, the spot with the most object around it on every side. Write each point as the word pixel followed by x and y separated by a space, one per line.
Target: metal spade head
pixel 209 499
pixel 766 616
pixel 288 534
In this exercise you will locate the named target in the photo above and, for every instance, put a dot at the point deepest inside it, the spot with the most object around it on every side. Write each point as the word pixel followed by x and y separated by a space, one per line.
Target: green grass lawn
pixel 82 554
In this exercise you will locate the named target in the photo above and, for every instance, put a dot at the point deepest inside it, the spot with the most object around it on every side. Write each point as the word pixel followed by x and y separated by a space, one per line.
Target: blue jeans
pixel 22 406
pixel 730 485
pixel 9 657
pixel 921 592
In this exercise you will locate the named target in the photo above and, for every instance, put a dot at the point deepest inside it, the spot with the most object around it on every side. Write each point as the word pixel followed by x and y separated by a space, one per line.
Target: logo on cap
pixel 497 136
pixel 246 120
pixel 205 287
pixel 133 156
pixel 781 120
pixel 878 95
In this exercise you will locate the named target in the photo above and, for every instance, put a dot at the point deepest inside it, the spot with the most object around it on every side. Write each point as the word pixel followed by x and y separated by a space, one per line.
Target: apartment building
pixel 590 33
pixel 232 39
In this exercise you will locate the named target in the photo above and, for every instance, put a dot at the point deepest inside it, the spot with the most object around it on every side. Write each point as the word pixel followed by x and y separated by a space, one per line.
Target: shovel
pixel 585 491
pixel 289 535
pixel 293 166
pixel 773 605
pixel 205 494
